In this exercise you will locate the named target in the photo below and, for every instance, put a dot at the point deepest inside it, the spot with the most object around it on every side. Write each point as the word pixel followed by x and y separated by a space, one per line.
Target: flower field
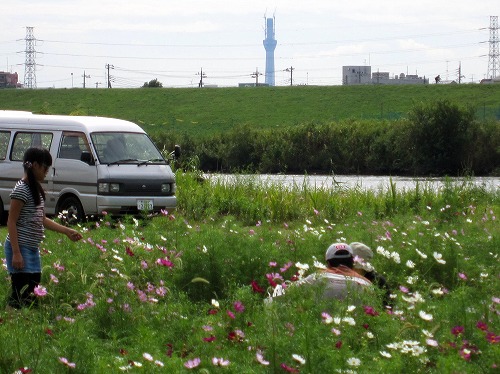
pixel 187 291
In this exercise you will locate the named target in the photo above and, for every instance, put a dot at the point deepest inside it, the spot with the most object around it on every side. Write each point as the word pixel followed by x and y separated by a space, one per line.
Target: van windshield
pixel 119 147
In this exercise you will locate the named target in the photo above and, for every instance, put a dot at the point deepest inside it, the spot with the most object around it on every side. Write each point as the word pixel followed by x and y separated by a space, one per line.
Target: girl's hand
pixel 73 235
pixel 17 261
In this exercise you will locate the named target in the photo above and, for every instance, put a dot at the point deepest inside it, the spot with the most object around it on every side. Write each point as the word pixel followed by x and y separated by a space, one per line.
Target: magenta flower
pixel 370 311
pixel 210 339
pixel 256 288
pixel 40 291
pixel 191 364
pixel 462 276
pixel 53 278
pixel 238 307
pixel 230 314
pixel 457 330
pixel 289 368
pixel 493 338
pixel 482 326
pixel 250 232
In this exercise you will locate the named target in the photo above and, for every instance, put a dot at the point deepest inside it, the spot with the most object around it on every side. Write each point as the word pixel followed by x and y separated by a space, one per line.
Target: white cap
pixel 338 250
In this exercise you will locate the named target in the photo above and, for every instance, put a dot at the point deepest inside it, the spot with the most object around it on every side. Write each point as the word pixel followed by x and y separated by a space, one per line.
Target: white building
pixel 352 75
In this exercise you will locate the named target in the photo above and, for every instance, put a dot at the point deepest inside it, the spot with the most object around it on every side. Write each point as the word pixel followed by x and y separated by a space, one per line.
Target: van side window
pixel 4 144
pixel 25 140
pixel 72 145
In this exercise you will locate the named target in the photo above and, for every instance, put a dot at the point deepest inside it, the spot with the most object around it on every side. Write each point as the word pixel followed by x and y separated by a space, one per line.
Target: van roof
pixel 12 119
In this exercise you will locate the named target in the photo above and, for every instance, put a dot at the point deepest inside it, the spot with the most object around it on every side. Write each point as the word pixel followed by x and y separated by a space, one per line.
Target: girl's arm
pixel 69 232
pixel 14 212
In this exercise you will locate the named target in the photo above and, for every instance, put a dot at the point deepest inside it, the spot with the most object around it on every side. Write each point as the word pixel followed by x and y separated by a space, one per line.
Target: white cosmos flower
pixel 215 303
pixel 299 359
pixel 353 361
pixel 425 316
pixel 423 255
pixel 385 354
pixel 410 264
pixel 350 308
pixel 439 258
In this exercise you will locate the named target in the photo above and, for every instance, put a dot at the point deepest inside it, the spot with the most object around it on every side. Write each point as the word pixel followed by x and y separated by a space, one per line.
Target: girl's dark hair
pixel 335 262
pixel 42 157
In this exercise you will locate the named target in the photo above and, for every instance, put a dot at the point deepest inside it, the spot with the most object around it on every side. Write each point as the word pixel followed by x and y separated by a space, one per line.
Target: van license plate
pixel 144 204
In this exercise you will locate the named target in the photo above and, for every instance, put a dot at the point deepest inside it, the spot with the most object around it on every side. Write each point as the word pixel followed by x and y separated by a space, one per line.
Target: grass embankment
pixel 203 112
pixel 175 291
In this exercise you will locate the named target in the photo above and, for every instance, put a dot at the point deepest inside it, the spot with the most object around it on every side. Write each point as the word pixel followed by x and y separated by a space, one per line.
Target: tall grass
pixel 156 294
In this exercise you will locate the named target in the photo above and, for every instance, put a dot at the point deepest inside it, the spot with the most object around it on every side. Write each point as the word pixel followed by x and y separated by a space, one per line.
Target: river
pixel 364 182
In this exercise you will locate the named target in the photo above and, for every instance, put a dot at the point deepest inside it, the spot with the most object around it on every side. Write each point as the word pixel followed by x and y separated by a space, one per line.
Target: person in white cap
pixel 362 257
pixel 339 279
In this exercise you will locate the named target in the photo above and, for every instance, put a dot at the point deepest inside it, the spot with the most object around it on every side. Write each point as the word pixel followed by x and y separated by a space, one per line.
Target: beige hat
pixel 364 253
pixel 362 250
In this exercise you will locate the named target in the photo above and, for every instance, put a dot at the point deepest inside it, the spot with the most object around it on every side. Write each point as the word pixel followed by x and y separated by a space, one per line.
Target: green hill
pixel 200 112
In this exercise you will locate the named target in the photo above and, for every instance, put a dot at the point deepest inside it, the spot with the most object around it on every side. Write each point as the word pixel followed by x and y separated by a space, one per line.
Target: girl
pixel 26 225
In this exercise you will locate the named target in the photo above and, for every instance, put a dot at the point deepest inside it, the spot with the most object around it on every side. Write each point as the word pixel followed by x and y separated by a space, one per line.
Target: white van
pixel 98 164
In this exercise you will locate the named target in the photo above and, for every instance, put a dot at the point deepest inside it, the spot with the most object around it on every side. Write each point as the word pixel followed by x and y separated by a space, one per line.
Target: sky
pixel 177 42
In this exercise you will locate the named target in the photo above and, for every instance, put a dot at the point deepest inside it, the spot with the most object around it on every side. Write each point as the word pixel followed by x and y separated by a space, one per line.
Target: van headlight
pixel 109 187
pixel 165 188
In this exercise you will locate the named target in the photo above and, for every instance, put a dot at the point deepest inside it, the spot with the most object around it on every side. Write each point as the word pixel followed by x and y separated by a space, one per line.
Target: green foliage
pixel 153 83
pixel 133 289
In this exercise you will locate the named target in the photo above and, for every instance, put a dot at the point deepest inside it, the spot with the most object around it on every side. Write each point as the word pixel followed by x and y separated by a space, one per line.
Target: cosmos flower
pixel 425 316
pixel 301 360
pixel 66 362
pixel 439 258
pixel 191 364
pixel 353 361
pixel 40 291
pixel 260 358
pixel 218 361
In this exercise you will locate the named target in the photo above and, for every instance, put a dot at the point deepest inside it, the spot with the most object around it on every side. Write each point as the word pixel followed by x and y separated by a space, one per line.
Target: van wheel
pixel 70 210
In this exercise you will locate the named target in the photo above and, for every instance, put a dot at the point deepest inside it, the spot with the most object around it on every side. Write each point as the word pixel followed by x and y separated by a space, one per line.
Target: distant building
pixel 490 80
pixel 356 75
pixel 9 80
pixel 352 75
pixel 253 84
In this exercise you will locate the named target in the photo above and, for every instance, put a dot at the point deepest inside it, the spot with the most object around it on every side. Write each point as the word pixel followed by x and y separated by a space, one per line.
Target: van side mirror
pixel 87 158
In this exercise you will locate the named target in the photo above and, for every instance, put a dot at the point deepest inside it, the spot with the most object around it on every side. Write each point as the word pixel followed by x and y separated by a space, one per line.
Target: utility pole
pixel 494 55
pixel 84 76
pixel 255 75
pixel 290 70
pixel 460 76
pixel 202 75
pixel 30 64
pixel 108 66
pixel 97 84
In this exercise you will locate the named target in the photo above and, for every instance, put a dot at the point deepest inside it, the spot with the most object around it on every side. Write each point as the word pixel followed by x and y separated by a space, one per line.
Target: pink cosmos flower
pixel 286 266
pixel 58 266
pixel 230 314
pixel 40 291
pixel 238 307
pixel 218 361
pixel 250 232
pixel 260 358
pixel 65 361
pixel 462 276
pixel 191 364
pixel 53 278
pixel 403 289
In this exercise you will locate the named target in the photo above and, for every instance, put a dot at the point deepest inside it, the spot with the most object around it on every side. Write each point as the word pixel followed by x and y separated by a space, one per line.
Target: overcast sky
pixel 174 40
